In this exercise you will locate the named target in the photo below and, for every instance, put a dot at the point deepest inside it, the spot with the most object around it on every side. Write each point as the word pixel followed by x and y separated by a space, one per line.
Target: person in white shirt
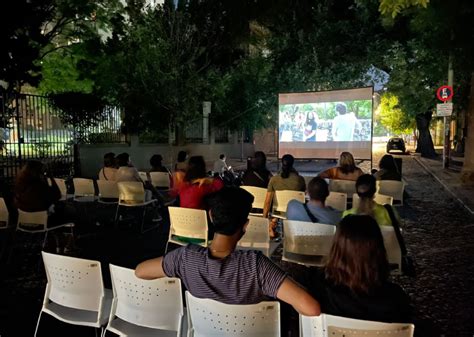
pixel 109 171
pixel 126 171
pixel 344 124
pixel 220 166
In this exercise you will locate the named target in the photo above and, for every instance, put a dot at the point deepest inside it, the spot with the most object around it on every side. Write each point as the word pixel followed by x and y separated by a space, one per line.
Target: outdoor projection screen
pixel 321 125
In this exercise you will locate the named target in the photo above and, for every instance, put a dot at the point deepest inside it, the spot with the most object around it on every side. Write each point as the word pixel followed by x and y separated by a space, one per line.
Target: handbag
pixel 408 266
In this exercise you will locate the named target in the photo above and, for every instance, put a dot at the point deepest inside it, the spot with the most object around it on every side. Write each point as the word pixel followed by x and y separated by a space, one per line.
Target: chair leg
pixel 37 323
pixel 116 215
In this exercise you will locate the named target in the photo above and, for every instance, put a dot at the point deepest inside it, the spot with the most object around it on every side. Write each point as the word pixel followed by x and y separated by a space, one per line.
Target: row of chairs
pixel 75 294
pixel 304 243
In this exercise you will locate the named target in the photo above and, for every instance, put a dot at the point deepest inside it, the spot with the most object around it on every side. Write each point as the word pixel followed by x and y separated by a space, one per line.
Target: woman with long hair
pixel 257 174
pixel 355 281
pixel 287 179
pixel 346 170
pixel 366 188
pixel 388 169
pixel 310 127
pixel 196 184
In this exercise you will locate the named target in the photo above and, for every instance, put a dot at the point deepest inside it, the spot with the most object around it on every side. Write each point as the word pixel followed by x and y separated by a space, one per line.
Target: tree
pixel 392 116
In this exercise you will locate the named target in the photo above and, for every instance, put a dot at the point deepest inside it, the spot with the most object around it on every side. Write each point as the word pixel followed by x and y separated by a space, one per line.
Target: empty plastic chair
pixel 84 190
pixel 212 318
pixel 160 180
pixel 187 223
pixel 156 309
pixel 393 188
pixel 342 186
pixel 259 195
pixel 307 243
pixel 337 200
pixel 256 235
pixel 75 293
pixel 392 246
pixel 336 326
pixel 143 175
pixel 281 200
pixel 4 214
pixel 108 192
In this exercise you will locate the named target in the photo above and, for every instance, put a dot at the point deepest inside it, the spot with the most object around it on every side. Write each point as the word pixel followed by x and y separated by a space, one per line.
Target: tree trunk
pixel 467 173
pixel 425 143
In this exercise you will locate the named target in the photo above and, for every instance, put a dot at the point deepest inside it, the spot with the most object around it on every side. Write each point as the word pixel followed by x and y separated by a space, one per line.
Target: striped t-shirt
pixel 243 277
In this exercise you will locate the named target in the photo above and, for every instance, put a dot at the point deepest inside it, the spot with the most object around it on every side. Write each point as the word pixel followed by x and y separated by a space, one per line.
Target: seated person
pixel 347 169
pixel 181 163
pixel 109 171
pixel 388 169
pixel 126 171
pixel 314 210
pixel 244 277
pixel 220 166
pixel 257 174
pixel 355 281
pixel 156 164
pixel 366 188
pixel 196 184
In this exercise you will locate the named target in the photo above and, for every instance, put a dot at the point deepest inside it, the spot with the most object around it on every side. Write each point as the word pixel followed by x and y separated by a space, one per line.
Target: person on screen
pixel 310 127
pixel 344 124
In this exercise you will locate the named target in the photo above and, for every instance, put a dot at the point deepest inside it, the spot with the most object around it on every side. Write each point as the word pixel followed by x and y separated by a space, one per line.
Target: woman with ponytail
pixel 288 179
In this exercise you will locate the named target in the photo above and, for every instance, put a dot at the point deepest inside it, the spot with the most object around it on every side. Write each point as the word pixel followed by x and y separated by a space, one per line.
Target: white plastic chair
pixel 75 293
pixel 336 326
pixel 4 214
pixel 342 186
pixel 378 198
pixel 37 222
pixel 392 246
pixel 160 179
pixel 84 190
pixel 306 243
pixel 132 194
pixel 259 194
pixel 143 175
pixel 281 200
pixel 144 307
pixel 393 188
pixel 209 318
pixel 256 235
pixel 337 200
pixel 63 188
pixel 187 222
pixel 108 192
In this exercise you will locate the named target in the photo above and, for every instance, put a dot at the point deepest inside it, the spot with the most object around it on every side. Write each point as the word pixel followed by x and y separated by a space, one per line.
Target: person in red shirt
pixel 196 184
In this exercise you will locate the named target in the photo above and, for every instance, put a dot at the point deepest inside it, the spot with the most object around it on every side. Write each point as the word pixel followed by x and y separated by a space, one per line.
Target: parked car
pixel 396 143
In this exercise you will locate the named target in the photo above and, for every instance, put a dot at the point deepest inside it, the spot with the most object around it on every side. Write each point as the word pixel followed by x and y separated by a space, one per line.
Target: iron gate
pixel 30 128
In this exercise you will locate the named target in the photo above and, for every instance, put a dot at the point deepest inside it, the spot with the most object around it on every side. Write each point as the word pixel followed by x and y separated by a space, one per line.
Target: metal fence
pixel 31 129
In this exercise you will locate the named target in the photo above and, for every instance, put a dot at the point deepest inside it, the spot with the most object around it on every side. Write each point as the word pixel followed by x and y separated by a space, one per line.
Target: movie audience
pixel 257 174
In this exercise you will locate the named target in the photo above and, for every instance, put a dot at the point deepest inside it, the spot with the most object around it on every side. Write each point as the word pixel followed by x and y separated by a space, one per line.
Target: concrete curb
pixel 446 187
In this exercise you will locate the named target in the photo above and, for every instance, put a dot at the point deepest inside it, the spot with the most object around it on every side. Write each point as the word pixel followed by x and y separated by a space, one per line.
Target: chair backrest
pixel 282 198
pixel 307 238
pixel 259 195
pixel 212 318
pixel 32 221
pixel 157 303
pixel 83 187
pixel 73 282
pixel 62 186
pixel 131 191
pixel 337 200
pixel 188 222
pixel 378 198
pixel 160 179
pixel 336 326
pixel 143 175
pixel 256 235
pixel 392 246
pixel 393 188
pixel 4 214
pixel 343 186
pixel 108 189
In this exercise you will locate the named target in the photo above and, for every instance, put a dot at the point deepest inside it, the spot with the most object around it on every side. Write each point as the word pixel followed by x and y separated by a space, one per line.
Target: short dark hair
pixel 287 162
pixel 221 156
pixel 156 160
pixel 230 208
pixel 123 159
pixel 366 186
pixel 318 189
pixel 358 259
pixel 387 162
pixel 182 156
pixel 341 108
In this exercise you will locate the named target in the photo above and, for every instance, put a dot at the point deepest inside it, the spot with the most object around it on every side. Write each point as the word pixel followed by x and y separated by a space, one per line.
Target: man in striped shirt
pixel 224 274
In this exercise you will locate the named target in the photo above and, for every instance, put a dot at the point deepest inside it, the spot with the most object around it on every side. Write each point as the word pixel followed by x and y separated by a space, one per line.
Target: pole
pixel 447 120
pixel 242 147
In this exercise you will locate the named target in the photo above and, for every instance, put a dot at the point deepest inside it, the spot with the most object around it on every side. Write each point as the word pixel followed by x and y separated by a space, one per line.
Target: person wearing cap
pixel 222 273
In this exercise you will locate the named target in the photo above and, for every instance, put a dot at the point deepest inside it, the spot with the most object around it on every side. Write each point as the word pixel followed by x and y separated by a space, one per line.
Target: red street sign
pixel 445 93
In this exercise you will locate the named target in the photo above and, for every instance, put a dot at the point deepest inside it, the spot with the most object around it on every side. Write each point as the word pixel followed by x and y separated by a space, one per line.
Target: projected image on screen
pixel 323 124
